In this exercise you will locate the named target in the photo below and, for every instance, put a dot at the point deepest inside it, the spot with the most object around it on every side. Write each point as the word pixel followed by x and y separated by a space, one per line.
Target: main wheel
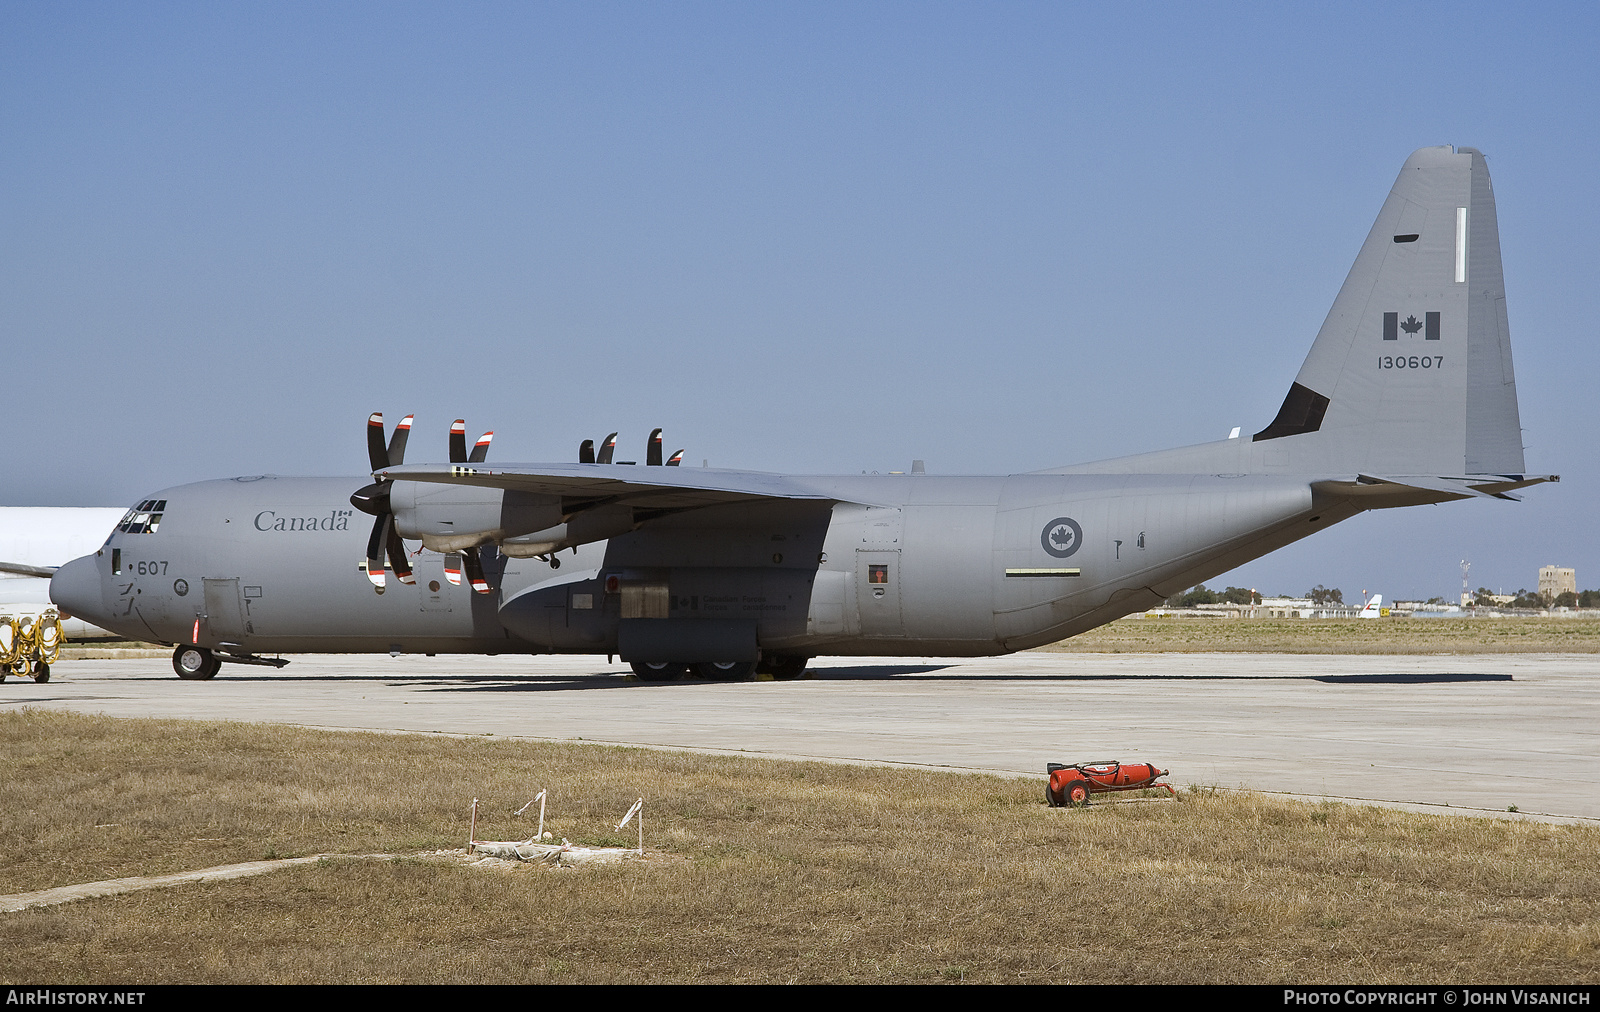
pixel 657 671
pixel 784 666
pixel 41 671
pixel 194 663
pixel 726 671
pixel 1076 793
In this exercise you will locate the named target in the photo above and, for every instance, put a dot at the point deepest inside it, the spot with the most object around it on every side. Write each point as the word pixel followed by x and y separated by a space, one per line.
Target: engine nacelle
pixel 453 518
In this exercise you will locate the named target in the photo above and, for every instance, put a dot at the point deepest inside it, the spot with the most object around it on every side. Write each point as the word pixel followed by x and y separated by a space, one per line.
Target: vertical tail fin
pixel 1411 372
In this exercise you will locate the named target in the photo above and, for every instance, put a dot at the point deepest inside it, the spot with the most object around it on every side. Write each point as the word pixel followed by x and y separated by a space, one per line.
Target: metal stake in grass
pixel 472 833
pixel 637 809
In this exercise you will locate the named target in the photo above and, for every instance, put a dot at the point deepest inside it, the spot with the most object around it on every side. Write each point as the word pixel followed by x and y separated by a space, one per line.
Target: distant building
pixel 1555 581
pixel 1301 607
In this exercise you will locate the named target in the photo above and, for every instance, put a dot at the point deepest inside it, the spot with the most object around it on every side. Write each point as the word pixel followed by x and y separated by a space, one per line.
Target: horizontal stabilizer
pixel 1380 491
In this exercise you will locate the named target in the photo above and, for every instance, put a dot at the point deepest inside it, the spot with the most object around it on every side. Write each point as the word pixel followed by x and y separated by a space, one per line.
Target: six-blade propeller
pixel 468 561
pixel 608 447
pixel 374 499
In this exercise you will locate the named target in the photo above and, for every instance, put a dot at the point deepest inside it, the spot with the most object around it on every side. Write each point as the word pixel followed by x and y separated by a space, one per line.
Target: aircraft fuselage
pixel 935 565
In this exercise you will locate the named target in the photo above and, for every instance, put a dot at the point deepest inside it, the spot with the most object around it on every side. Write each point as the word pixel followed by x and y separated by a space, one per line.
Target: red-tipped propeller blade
pixel 399 564
pixel 474 568
pixel 480 449
pixel 377 452
pixel 458 441
pixel 397 442
pixel 380 528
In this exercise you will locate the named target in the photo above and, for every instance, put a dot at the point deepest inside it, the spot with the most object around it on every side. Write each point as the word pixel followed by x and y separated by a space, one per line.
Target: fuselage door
pixel 878 575
pixel 878 592
pixel 224 617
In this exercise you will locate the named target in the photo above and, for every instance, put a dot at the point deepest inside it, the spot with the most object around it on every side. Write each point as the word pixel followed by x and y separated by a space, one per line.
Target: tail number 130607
pixel 1410 361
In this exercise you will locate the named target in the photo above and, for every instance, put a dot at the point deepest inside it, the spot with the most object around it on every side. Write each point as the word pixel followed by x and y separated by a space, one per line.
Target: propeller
pixel 608 447
pixel 652 454
pixel 458 444
pixel 469 561
pixel 374 499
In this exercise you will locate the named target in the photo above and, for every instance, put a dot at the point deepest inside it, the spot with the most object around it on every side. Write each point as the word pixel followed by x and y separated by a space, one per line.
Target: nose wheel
pixel 195 663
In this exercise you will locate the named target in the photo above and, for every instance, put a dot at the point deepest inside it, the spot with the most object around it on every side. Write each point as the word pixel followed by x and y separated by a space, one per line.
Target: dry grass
pixel 1340 636
pixel 762 871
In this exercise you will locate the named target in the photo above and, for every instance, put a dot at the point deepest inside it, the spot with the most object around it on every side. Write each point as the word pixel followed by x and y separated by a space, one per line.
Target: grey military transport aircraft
pixel 1407 397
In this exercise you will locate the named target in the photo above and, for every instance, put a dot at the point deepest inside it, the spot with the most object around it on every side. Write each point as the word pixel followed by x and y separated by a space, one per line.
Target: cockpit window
pixel 144 518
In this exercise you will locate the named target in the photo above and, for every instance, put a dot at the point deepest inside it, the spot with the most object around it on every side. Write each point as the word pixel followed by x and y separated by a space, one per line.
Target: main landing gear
pixel 658 671
pixel 195 663
pixel 782 667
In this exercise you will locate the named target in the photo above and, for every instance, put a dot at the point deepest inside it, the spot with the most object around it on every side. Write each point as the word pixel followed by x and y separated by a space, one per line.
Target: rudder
pixel 1411 371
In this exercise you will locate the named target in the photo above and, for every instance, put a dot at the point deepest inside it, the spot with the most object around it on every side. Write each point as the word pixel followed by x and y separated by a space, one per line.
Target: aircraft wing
pixel 673 488
pixel 18 569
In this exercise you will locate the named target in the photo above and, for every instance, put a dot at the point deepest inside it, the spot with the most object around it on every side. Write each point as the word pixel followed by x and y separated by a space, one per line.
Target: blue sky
pixel 802 237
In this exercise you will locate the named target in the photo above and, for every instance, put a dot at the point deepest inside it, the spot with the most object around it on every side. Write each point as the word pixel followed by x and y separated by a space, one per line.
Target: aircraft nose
pixel 75 589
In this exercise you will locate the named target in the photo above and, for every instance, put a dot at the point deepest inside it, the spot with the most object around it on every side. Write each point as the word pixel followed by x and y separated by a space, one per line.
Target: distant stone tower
pixel 1555 581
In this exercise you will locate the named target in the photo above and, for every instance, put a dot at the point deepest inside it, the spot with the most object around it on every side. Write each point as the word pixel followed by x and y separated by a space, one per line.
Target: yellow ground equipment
pixel 29 644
